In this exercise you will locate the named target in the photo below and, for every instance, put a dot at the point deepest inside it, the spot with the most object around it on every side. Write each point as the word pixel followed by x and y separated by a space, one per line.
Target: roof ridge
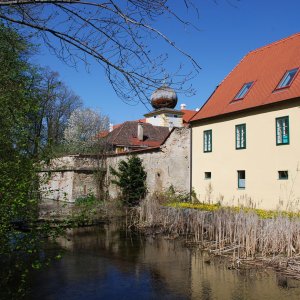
pixel 119 128
pixel 274 43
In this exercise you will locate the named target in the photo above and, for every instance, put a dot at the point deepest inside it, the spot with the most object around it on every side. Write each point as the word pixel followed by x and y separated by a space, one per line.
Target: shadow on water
pixel 106 262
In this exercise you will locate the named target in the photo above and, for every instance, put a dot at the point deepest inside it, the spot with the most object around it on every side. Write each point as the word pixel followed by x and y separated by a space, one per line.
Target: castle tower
pixel 164 100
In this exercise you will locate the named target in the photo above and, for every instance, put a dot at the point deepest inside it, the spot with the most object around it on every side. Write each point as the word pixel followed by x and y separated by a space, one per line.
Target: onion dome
pixel 164 97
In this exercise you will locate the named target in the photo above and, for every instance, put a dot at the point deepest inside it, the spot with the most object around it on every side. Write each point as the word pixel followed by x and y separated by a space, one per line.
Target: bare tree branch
pixel 120 35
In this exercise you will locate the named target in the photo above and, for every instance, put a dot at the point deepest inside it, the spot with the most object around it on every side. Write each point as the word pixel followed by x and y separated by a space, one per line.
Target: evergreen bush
pixel 131 178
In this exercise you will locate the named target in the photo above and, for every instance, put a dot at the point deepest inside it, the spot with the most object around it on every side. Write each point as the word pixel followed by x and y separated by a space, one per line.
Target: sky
pixel 227 31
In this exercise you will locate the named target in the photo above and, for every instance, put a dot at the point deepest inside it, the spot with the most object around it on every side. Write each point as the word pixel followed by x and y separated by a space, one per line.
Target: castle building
pixel 155 128
pixel 246 137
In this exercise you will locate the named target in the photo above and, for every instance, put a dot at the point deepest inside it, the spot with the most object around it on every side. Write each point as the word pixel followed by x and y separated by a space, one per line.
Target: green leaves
pixel 131 178
pixel 21 239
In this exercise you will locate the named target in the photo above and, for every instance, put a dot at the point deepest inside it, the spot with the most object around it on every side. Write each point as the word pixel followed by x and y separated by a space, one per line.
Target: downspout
pixel 191 144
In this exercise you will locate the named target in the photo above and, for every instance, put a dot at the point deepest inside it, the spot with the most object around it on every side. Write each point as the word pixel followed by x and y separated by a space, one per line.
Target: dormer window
pixel 287 79
pixel 243 91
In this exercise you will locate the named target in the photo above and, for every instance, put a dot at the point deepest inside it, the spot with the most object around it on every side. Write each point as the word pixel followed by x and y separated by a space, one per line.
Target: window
pixel 287 79
pixel 207 175
pixel 240 136
pixel 175 116
pixel 283 175
pixel 207 141
pixel 243 91
pixel 282 131
pixel 241 179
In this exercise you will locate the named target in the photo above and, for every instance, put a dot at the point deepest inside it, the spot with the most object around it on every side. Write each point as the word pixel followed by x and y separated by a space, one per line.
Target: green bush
pixel 170 196
pixel 89 199
pixel 131 178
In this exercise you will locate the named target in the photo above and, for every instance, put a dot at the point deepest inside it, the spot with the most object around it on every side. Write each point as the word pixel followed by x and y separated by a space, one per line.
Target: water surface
pixel 106 262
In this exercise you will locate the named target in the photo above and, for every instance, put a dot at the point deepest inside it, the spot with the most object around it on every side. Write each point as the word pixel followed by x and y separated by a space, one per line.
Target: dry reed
pixel 243 234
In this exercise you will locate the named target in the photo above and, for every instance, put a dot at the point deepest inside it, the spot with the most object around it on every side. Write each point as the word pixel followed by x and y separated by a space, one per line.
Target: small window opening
pixel 175 116
pixel 287 79
pixel 207 175
pixel 243 91
pixel 283 175
pixel 241 179
pixel 158 174
pixel 62 174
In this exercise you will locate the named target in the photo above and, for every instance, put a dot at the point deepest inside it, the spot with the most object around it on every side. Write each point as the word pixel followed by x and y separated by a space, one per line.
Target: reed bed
pixel 241 234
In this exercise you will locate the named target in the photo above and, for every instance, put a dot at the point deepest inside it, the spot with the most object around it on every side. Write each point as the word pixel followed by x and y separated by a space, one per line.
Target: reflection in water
pixel 106 262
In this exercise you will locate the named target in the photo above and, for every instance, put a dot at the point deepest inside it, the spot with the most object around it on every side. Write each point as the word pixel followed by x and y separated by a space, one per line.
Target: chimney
pixel 182 106
pixel 111 127
pixel 140 132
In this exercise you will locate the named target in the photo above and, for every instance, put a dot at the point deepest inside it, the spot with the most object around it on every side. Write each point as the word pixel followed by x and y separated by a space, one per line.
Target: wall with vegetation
pixel 166 166
pixel 74 176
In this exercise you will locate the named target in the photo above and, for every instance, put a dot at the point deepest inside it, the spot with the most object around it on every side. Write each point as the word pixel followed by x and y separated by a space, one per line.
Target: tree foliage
pixel 56 103
pixel 131 178
pixel 122 36
pixel 21 106
pixel 17 175
pixel 82 131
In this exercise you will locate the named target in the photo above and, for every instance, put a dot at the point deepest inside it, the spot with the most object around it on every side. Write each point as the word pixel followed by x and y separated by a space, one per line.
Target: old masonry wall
pixel 70 177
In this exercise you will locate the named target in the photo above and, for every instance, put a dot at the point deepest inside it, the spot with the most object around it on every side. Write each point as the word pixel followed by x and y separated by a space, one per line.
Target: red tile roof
pixel 102 134
pixel 136 142
pixel 266 67
pixel 188 114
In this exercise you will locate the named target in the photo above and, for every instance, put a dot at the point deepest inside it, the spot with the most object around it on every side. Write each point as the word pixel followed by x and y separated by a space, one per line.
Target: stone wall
pixel 57 185
pixel 70 177
pixel 165 166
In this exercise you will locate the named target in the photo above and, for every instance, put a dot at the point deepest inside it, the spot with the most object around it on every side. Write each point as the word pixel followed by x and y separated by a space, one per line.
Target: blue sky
pixel 228 30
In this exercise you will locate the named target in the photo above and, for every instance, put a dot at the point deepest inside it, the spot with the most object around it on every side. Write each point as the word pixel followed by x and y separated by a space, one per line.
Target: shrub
pixel 89 199
pixel 170 195
pixel 131 178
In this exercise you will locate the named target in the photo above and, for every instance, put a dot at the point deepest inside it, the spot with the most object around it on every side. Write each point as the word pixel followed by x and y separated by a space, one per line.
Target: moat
pixel 107 262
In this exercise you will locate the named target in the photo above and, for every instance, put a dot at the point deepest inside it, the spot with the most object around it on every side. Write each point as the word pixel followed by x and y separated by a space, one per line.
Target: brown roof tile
pixel 126 135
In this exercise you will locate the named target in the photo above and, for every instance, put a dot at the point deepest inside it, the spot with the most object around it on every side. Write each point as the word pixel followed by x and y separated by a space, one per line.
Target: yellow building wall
pixel 262 159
